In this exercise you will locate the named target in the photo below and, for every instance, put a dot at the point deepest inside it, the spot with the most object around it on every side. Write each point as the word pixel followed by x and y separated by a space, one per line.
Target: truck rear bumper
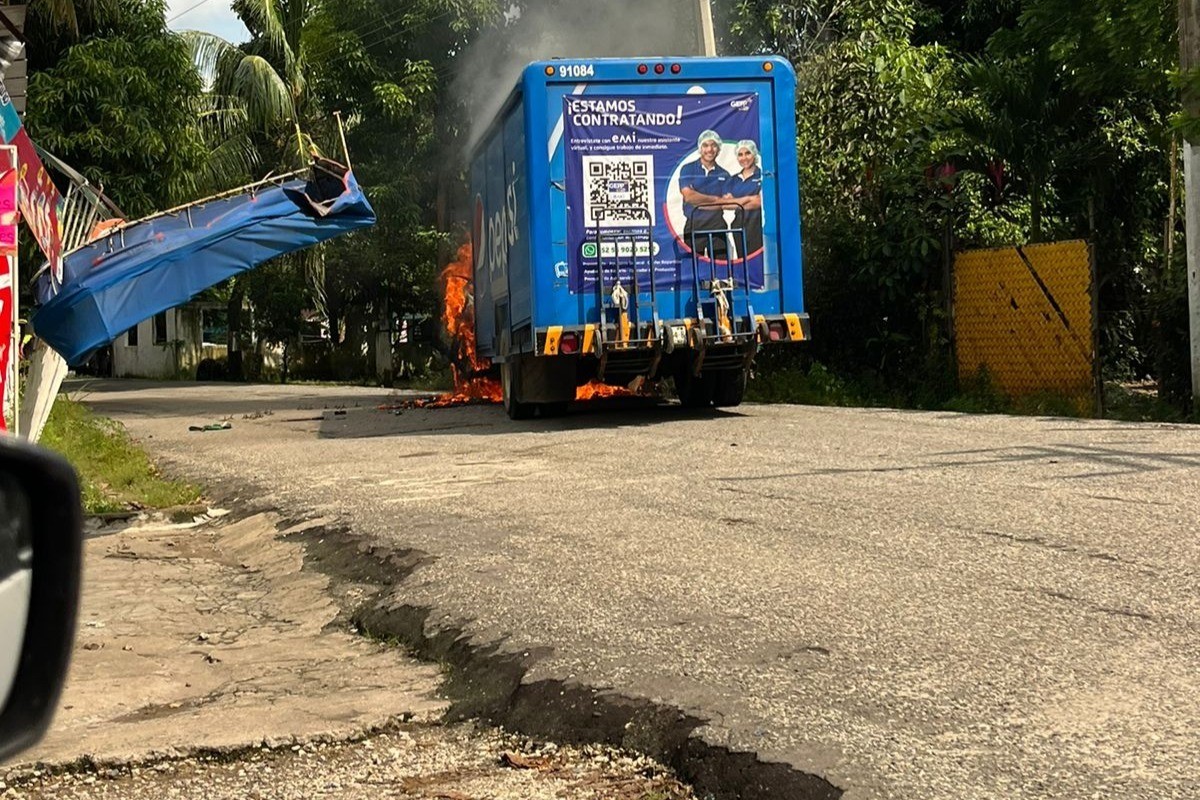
pixel 672 334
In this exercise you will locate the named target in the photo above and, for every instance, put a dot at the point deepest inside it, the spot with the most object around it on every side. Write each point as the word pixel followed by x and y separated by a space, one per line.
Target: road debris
pixel 213 426
pixel 519 761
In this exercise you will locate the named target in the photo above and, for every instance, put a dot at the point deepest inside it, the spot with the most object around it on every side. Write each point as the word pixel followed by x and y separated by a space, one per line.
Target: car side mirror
pixel 41 551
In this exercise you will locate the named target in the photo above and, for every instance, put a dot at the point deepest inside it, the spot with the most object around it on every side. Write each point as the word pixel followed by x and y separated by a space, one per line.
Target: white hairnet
pixel 748 144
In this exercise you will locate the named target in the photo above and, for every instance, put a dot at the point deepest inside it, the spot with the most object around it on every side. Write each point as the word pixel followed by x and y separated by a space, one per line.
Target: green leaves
pixel 387 67
pixel 267 97
pixel 101 106
pixel 1053 115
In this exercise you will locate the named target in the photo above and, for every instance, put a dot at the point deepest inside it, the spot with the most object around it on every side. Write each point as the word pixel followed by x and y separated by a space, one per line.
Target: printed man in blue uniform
pixel 702 183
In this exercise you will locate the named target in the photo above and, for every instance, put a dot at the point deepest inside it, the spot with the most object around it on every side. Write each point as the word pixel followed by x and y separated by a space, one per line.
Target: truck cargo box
pixel 637 219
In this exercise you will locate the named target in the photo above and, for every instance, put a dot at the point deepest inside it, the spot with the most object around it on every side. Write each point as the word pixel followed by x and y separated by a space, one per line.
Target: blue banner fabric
pixel 161 262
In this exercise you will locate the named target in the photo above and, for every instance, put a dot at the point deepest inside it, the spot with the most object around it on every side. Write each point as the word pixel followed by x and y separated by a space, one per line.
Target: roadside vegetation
pixel 115 474
pixel 803 381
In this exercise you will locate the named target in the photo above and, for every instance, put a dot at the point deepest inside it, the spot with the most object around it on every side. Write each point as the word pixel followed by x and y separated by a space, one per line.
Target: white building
pixel 171 344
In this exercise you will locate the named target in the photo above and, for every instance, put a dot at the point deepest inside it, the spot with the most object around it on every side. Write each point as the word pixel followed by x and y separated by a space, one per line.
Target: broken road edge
pixel 486 683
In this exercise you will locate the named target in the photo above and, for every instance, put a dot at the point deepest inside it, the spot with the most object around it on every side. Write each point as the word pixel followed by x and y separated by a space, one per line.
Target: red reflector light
pixel 775 330
pixel 675 69
pixel 659 68
pixel 568 344
pixel 642 69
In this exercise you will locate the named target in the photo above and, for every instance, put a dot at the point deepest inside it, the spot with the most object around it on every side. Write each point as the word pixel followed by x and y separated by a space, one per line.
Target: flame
pixel 473 390
pixel 594 389
pixel 459 318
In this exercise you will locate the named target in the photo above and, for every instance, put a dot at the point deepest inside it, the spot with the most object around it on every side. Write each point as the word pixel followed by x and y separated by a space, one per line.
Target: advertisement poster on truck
pixel 651 177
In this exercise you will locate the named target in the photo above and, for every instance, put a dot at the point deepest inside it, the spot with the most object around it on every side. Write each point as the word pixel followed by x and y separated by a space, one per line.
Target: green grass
pixel 814 384
pixel 1139 403
pixel 115 474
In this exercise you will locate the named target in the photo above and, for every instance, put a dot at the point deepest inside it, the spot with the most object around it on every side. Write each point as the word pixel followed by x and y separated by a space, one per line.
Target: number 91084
pixel 576 71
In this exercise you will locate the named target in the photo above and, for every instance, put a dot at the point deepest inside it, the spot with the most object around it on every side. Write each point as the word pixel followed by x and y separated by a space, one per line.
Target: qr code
pixel 618 191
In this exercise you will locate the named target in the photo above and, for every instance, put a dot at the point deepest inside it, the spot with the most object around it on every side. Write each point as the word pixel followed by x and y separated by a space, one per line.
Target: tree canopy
pixel 924 126
pixel 927 125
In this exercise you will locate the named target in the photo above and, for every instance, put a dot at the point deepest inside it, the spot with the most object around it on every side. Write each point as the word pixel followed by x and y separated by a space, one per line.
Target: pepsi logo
pixel 478 234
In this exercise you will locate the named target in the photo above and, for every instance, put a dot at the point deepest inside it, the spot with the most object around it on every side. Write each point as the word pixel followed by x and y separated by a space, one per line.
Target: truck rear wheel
pixel 729 388
pixel 510 387
pixel 695 391
pixel 556 409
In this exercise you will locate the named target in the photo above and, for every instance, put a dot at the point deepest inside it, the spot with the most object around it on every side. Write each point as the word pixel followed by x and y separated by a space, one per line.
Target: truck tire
pixel 729 389
pixel 695 391
pixel 556 409
pixel 510 386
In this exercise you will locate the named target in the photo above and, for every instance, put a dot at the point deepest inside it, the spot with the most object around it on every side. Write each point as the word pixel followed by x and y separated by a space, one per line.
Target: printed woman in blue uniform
pixel 704 183
pixel 745 188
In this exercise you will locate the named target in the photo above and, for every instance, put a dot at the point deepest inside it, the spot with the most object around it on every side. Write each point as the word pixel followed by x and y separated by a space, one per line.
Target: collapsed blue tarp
pixel 163 261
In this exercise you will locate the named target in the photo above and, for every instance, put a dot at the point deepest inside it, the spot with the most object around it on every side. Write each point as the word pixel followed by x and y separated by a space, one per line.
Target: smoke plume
pixel 536 30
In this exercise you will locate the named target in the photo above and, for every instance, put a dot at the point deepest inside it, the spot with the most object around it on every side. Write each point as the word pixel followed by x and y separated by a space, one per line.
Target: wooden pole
pixel 707 37
pixel 1189 56
pixel 342 134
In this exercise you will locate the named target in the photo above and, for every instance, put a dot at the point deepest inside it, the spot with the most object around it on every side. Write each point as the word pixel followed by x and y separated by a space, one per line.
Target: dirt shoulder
pixel 210 663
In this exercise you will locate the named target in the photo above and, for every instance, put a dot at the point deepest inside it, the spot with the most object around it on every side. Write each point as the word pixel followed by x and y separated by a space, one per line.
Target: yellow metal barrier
pixel 1025 315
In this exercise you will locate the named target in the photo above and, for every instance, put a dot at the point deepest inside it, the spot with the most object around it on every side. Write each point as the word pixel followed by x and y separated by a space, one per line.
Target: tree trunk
pixel 234 366
pixel 1189 56
pixel 1035 211
pixel 333 311
pixel 1173 192
pixel 384 369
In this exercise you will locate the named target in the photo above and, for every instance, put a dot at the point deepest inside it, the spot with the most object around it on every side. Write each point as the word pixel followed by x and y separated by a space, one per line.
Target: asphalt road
pixel 911 605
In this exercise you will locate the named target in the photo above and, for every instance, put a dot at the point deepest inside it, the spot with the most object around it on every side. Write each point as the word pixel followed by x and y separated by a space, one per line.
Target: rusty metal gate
pixel 1027 316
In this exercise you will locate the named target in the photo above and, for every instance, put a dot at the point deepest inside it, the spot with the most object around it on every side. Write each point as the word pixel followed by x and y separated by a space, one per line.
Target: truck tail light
pixel 643 69
pixel 675 69
pixel 569 343
pixel 776 330
pixel 659 69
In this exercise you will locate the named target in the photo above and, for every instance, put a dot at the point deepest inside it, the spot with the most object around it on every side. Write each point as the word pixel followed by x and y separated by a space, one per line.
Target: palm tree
pixel 1025 107
pixel 265 82
pixel 64 14
pixel 266 75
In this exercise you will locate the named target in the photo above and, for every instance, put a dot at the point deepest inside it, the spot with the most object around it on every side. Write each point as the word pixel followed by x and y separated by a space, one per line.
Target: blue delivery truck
pixel 637 219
